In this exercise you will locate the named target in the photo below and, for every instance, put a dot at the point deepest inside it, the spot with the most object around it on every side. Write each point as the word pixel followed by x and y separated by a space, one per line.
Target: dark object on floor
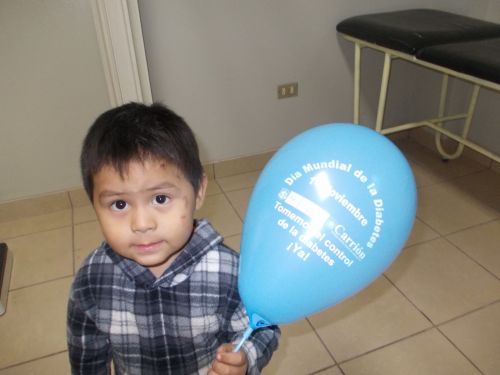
pixel 5 270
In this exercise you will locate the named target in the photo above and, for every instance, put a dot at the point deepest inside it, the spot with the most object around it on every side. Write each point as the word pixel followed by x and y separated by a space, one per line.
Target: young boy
pixel 160 295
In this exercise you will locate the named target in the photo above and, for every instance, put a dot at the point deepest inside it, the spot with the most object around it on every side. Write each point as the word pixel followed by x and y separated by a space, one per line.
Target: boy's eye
pixel 119 205
pixel 160 199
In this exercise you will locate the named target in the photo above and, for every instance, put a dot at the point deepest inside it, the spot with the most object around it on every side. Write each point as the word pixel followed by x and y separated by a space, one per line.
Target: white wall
pixel 51 89
pixel 218 63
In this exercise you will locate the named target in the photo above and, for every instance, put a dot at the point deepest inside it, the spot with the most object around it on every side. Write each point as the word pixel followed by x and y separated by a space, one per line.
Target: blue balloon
pixel 329 213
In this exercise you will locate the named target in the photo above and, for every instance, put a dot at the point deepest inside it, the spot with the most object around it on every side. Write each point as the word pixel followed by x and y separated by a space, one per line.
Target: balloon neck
pixel 256 321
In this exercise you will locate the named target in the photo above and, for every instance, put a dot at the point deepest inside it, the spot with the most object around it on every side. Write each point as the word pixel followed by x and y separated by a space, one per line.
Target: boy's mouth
pixel 148 247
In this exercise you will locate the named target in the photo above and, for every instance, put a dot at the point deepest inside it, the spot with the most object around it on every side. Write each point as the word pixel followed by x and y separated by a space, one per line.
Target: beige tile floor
pixel 435 311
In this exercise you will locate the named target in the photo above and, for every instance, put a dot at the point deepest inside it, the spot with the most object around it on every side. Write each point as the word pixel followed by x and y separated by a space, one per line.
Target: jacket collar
pixel 203 239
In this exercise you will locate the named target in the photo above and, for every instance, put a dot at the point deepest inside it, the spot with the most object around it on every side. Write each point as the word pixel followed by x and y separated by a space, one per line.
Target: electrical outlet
pixel 288 90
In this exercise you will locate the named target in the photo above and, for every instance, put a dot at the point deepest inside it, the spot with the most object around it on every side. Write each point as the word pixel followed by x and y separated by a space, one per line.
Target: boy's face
pixel 147 214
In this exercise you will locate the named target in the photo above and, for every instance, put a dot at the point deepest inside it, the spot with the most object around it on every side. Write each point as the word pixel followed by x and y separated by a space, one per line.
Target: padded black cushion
pixel 411 30
pixel 480 58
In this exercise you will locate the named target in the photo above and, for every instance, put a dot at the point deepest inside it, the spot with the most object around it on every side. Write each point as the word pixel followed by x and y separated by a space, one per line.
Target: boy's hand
pixel 228 363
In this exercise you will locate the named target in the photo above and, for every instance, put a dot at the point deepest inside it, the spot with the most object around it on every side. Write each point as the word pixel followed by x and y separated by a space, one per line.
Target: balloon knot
pixel 256 321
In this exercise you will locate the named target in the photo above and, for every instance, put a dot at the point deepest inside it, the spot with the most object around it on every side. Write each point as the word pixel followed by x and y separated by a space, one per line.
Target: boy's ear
pixel 200 195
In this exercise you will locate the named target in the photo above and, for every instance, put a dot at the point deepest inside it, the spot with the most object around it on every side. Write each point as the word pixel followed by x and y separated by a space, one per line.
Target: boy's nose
pixel 142 220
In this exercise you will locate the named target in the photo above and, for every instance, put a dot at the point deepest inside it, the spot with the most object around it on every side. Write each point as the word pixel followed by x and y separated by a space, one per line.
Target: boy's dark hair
pixel 136 132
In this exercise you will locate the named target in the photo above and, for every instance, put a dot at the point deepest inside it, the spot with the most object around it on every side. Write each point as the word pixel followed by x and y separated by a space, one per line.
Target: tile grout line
pixel 32 360
pixel 472 226
pixel 238 174
pixel 336 363
pixel 438 328
pixel 434 325
pixel 470 312
pixel 35 232
pixel 326 368
pixel 468 256
pixel 408 299
pixel 224 193
pixel 40 283
pixel 252 186
pixel 459 350
pixel 446 239
pixel 386 345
